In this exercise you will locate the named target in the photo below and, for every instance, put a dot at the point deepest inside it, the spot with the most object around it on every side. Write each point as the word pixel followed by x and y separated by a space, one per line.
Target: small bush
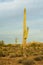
pixel 12 55
pixel 28 62
pixel 1 54
pixel 42 57
pixel 38 58
pixel 20 61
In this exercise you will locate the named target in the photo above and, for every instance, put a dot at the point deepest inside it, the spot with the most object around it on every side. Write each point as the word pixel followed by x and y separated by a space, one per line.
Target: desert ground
pixel 31 60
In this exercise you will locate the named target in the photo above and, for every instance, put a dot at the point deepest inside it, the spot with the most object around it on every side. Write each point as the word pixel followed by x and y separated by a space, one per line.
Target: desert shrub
pixel 41 53
pixel 25 61
pixel 5 53
pixel 1 53
pixel 12 55
pixel 9 45
pixel 4 49
pixel 2 43
pixel 35 54
pixel 38 58
pixel 42 57
pixel 28 62
pixel 19 55
pixel 33 45
pixel 20 61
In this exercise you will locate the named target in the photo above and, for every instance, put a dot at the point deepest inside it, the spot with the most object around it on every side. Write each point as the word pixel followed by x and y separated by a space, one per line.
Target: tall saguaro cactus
pixel 25 29
pixel 25 33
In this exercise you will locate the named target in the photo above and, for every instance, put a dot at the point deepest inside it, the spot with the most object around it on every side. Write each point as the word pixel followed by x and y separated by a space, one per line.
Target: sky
pixel 11 20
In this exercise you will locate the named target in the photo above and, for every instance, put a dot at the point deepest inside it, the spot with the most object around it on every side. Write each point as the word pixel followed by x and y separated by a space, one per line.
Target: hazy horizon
pixel 11 20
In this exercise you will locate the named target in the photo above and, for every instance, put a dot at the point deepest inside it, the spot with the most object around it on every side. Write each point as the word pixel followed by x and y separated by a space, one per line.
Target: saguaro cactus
pixel 25 33
pixel 25 29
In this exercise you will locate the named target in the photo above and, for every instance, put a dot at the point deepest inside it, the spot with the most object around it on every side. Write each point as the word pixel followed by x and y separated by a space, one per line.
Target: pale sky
pixel 11 20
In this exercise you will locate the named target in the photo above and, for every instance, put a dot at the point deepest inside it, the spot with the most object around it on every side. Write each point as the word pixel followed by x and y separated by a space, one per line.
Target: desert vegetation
pixel 12 54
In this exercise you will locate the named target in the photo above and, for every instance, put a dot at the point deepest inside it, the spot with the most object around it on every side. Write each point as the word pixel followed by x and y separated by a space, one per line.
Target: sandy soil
pixel 31 60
